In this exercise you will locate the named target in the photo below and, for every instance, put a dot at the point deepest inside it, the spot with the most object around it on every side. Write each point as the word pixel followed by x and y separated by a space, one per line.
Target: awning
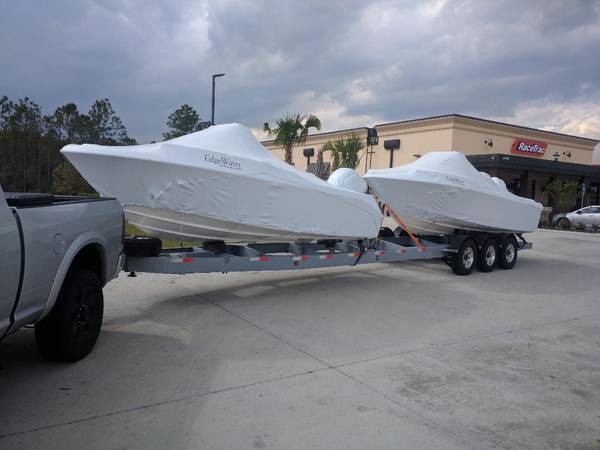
pixel 512 162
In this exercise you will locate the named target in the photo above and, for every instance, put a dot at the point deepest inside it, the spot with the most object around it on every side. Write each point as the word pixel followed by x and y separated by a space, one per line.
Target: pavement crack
pixel 160 403
pixel 264 330
pixel 434 346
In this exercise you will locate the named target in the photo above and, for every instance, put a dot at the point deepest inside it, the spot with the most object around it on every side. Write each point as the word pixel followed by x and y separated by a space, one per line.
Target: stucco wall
pixel 447 133
pixel 413 141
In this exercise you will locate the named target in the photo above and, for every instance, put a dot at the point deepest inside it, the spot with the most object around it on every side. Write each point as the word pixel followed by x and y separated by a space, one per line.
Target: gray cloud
pixel 353 62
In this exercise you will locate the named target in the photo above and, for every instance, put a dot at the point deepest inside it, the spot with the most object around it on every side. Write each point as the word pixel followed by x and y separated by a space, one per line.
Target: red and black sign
pixel 527 147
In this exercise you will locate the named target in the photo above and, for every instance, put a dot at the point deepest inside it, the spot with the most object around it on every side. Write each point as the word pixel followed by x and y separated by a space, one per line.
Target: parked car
pixel 56 254
pixel 588 216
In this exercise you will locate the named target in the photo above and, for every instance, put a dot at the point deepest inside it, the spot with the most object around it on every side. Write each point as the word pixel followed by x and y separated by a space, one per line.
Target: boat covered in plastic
pixel 442 192
pixel 222 184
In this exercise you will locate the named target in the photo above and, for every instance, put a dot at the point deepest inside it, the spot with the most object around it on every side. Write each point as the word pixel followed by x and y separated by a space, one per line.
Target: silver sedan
pixel 588 217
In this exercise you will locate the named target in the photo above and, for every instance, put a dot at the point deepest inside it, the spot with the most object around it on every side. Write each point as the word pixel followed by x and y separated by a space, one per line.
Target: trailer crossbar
pixel 284 256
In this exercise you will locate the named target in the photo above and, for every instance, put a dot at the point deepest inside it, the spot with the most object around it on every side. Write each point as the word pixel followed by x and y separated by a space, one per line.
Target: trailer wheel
pixel 508 253
pixel 142 246
pixel 463 262
pixel 71 329
pixel 488 256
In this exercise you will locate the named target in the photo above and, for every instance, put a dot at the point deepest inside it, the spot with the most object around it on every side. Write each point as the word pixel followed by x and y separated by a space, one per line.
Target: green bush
pixel 563 193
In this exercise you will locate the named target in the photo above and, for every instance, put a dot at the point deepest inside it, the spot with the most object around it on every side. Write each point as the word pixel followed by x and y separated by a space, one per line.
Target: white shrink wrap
pixel 222 184
pixel 348 179
pixel 442 192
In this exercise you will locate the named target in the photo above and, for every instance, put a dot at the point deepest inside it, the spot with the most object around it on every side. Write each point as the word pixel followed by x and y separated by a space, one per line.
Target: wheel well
pixel 91 258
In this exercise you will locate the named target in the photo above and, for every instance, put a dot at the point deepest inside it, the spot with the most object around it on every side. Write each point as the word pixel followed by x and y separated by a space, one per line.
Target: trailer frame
pixel 300 255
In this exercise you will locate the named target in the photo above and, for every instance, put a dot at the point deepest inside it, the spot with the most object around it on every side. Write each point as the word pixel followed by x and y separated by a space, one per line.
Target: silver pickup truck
pixel 56 254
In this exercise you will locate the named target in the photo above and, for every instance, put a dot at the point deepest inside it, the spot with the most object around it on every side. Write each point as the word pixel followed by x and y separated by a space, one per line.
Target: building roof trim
pixel 488 121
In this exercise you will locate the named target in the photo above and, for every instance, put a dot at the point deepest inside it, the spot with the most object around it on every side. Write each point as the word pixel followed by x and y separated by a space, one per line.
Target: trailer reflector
pixel 328 257
pixel 300 258
pixel 259 259
pixel 182 260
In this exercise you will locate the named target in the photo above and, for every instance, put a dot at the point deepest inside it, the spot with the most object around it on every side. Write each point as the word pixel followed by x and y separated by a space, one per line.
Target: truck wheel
pixel 507 257
pixel 142 246
pixel 71 329
pixel 463 261
pixel 488 256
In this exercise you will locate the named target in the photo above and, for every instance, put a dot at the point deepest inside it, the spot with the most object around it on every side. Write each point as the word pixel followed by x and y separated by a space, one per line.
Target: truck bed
pixel 36 199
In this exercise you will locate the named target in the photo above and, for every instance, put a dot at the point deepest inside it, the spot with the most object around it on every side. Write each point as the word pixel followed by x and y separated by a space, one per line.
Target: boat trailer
pixel 296 255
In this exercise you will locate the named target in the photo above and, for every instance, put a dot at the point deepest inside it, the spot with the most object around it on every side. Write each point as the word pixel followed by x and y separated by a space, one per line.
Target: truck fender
pixel 90 237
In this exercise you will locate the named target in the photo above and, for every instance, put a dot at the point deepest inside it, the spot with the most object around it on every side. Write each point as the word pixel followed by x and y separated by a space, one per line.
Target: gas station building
pixel 525 158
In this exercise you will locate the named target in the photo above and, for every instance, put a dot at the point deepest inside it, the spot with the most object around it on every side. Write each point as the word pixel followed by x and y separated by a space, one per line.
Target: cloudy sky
pixel 353 63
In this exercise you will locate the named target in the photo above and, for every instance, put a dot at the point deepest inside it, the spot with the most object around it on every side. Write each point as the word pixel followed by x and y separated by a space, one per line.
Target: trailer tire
pixel 487 258
pixel 71 329
pixel 507 257
pixel 142 246
pixel 463 261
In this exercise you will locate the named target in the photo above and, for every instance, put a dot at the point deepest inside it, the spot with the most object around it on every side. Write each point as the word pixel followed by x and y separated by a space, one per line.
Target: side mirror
pixel 578 212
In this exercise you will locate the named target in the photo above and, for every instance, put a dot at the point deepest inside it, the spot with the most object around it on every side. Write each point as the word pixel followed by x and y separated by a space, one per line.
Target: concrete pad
pixel 158 343
pixel 320 410
pixel 349 314
pixel 381 356
pixel 533 389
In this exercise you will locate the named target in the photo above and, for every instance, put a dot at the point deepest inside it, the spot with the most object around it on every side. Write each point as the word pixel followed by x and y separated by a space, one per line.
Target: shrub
pixel 563 194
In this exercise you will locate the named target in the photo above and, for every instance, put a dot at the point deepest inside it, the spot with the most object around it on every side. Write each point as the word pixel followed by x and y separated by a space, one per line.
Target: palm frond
pixel 292 130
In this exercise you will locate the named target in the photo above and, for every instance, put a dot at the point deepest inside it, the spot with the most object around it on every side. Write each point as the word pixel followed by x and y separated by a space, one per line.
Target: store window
pixel 595 194
pixel 514 186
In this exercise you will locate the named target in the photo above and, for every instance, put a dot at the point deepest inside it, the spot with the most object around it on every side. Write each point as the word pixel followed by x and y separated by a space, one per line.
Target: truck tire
pixel 142 246
pixel 71 329
pixel 487 258
pixel 507 257
pixel 463 261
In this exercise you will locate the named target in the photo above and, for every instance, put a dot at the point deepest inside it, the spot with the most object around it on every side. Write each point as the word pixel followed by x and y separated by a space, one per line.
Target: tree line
pixel 30 141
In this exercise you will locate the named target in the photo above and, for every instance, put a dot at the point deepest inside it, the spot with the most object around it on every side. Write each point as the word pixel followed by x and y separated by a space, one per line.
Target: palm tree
pixel 345 151
pixel 292 130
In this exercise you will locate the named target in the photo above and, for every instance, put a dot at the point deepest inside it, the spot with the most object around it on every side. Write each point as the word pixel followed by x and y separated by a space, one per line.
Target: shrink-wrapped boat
pixel 222 184
pixel 442 192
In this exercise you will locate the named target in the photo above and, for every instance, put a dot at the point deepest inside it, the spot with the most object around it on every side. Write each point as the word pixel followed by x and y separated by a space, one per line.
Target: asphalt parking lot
pixel 403 355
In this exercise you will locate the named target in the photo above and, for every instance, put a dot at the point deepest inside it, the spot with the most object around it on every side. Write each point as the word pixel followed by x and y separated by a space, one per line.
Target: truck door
pixel 10 263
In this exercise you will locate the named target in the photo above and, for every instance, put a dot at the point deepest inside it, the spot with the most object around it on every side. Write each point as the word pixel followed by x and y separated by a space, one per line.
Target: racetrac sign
pixel 527 147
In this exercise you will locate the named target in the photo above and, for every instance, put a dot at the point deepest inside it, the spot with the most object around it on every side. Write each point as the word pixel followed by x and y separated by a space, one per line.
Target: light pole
pixel 212 114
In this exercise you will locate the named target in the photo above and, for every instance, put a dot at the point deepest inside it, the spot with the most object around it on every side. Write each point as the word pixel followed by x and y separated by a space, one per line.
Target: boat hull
pixel 184 192
pixel 440 210
pixel 438 199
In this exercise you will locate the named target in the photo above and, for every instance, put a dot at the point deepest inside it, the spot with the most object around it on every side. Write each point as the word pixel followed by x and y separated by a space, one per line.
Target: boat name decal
pixel 454 180
pixel 527 147
pixel 223 161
